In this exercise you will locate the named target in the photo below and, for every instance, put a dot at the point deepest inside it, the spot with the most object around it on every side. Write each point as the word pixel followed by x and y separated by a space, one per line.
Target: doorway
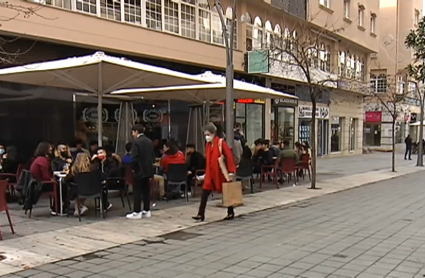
pixel 322 137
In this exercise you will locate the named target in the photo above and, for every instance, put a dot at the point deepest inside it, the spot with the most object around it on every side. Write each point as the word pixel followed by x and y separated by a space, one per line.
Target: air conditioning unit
pixel 373 55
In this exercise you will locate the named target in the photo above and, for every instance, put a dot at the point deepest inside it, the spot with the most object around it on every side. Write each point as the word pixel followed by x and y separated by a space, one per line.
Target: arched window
pixel 286 38
pixel 204 21
pixel 269 33
pixel 154 14
pixel 258 33
pixel 188 18
pixel 277 42
pixel 229 17
pixel 217 28
pixel 341 66
pixel 293 41
pixel 171 16
pixel 249 38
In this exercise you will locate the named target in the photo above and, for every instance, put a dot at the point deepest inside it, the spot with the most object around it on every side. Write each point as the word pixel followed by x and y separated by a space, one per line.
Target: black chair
pixel 245 171
pixel 177 176
pixel 119 183
pixel 89 186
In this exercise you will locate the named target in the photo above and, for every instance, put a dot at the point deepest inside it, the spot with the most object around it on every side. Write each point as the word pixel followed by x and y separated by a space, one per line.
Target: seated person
pixel 287 152
pixel 78 148
pixel 275 149
pixel 41 169
pixel 10 161
pixel 262 157
pixel 195 161
pixel 126 159
pixel 109 166
pixel 81 165
pixel 247 152
pixel 299 149
pixel 62 160
pixel 172 155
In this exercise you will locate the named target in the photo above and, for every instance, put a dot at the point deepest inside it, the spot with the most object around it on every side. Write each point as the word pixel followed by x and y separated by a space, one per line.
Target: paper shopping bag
pixel 232 194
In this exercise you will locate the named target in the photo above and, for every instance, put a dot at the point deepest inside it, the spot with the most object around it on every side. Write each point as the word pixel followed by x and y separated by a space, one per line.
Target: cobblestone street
pixel 373 231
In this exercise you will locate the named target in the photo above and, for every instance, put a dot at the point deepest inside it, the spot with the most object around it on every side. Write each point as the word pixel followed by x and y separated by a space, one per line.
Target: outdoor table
pixel 60 175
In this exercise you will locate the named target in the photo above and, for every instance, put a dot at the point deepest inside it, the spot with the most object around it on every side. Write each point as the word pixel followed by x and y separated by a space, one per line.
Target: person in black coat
pixel 143 159
pixel 195 161
pixel 409 142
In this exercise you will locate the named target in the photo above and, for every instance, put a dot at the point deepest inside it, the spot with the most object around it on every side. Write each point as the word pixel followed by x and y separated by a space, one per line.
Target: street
pixel 373 231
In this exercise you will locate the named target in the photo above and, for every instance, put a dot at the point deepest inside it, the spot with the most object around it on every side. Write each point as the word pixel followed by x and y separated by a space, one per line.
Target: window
pixel 341 67
pixel 277 42
pixel 110 10
pixel 400 85
pixel 337 124
pixel 373 23
pixel 347 4
pixel 248 32
pixel 217 28
pixel 350 67
pixel 361 16
pixel 412 88
pixel 229 17
pixel 86 6
pixel 154 14
pixel 286 38
pixel 328 58
pixel 171 16
pixel 204 22
pixel 378 84
pixel 188 19
pixel 417 15
pixel 322 57
pixel 133 11
pixel 258 34
pixel 269 34
pixel 325 3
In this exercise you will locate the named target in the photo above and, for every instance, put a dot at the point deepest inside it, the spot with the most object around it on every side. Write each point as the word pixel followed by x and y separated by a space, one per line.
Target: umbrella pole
pixel 169 119
pixel 99 106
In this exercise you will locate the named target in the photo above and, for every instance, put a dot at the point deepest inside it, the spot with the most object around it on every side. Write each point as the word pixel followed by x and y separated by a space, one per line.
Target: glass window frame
pixel 276 136
pixel 245 117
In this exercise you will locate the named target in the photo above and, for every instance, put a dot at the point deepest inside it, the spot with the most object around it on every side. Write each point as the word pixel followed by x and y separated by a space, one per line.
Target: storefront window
pixel 304 130
pixel 352 135
pixel 285 124
pixel 336 133
pixel 254 122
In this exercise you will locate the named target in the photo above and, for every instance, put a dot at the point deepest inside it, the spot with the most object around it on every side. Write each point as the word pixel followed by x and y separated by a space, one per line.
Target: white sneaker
pixel 134 215
pixel 83 209
pixel 146 214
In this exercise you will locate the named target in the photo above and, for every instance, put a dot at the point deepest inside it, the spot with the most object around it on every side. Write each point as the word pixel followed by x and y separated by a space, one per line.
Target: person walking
pixel 408 141
pixel 143 159
pixel 215 149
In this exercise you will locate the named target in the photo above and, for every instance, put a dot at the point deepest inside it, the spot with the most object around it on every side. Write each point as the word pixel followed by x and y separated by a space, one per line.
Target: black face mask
pixel 64 154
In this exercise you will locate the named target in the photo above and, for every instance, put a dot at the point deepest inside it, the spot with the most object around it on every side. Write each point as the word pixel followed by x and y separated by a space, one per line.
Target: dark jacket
pixel 110 168
pixel 58 164
pixel 287 152
pixel 196 161
pixel 143 157
pixel 30 188
pixel 408 141
pixel 263 157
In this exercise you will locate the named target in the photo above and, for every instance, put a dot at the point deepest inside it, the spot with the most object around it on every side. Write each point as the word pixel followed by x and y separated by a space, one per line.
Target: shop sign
pixel 373 117
pixel 285 102
pixel 152 116
pixel 306 112
pixel 249 101
pixel 90 115
pixel 117 115
pixel 413 117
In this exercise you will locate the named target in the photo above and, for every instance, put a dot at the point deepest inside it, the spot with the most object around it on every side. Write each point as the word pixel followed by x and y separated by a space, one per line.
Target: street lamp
pixel 228 42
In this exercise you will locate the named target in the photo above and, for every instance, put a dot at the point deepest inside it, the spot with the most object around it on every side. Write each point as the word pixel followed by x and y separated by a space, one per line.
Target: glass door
pixel 322 137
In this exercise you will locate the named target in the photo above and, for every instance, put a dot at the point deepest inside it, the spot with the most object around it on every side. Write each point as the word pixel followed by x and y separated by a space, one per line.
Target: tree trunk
pixel 420 161
pixel 393 145
pixel 313 142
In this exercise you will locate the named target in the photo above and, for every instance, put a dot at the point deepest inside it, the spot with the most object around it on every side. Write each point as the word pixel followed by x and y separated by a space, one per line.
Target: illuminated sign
pixel 248 101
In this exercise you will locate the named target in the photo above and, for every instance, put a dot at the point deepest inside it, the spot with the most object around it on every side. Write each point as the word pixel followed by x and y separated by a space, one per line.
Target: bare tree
pixel 9 54
pixel 302 53
pixel 389 97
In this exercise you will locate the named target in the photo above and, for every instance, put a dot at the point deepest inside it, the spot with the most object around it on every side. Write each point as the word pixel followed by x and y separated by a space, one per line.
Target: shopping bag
pixel 232 194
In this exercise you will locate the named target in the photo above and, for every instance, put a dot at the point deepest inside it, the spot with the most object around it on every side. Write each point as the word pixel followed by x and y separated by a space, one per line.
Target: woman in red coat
pixel 214 177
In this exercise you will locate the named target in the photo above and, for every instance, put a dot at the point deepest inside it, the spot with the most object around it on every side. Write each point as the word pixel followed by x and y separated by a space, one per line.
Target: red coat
pixel 177 158
pixel 41 169
pixel 214 178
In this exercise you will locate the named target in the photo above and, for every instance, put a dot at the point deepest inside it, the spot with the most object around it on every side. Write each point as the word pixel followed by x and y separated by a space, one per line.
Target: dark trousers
pixel 408 151
pixel 204 200
pixel 142 187
pixel 105 202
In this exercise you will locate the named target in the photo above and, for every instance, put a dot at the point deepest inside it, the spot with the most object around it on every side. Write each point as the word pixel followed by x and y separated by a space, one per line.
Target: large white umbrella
pixel 98 74
pixel 201 93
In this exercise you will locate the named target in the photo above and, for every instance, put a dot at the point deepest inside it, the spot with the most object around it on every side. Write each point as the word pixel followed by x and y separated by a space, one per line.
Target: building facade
pixel 187 35
pixel 387 67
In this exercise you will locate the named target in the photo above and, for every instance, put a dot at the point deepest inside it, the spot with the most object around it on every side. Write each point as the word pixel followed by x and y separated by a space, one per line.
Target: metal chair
pixel 89 186
pixel 269 171
pixel 12 179
pixel 3 205
pixel 289 166
pixel 177 176
pixel 120 184
pixel 304 164
pixel 245 172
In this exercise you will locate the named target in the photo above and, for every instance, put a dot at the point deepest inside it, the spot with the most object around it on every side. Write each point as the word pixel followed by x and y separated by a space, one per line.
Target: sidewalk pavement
pixel 61 244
